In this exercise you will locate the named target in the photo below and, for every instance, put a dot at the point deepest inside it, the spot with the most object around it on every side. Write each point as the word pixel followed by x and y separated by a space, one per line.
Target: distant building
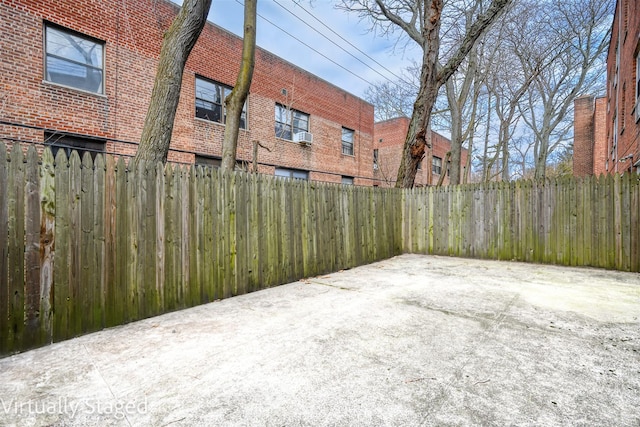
pixel 389 138
pixel 589 136
pixel 607 130
pixel 79 75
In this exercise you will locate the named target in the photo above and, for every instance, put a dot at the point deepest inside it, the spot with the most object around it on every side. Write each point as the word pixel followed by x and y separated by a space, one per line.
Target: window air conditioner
pixel 304 138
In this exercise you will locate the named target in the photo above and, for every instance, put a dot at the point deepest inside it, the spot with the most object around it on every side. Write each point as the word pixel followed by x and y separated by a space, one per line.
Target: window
pixel 211 162
pixel 290 121
pixel 292 173
pixel 437 165
pixel 614 148
pixel 347 141
pixel 216 162
pixel 74 60
pixel 615 75
pixel 375 159
pixel 70 143
pixel 347 180
pixel 210 102
pixel 623 107
pixel 420 165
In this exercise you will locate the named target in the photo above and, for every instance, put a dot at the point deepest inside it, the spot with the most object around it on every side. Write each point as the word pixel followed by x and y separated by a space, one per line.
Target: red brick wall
pixel 600 136
pixel 389 138
pixel 625 36
pixel 583 135
pixel 132 32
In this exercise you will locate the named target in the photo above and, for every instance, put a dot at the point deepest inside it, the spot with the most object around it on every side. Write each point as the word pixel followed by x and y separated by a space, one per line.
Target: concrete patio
pixel 413 340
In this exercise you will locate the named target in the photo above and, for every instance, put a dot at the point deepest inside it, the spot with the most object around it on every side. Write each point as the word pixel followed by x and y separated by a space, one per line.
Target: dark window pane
pixel 210 102
pixel 208 111
pixel 212 162
pixel 70 143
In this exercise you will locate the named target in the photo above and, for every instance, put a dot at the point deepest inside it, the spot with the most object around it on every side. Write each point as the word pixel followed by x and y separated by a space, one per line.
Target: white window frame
pixel 348 136
pixel 436 164
pixel 81 54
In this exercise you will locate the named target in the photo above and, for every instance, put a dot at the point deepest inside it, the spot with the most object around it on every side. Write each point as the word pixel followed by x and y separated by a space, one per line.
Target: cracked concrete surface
pixel 413 340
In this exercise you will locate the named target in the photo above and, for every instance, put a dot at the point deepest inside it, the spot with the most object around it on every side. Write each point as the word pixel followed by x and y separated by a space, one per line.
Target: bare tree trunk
pixel 471 129
pixel 416 143
pixel 505 174
pixel 446 160
pixel 257 144
pixel 254 169
pixel 433 76
pixel 455 109
pixel 176 47
pixel 416 146
pixel 486 166
pixel 236 99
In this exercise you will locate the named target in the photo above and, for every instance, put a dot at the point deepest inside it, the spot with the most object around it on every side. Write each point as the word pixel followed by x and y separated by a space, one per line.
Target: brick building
pixel 623 90
pixel 607 130
pixel 389 138
pixel 80 74
pixel 589 135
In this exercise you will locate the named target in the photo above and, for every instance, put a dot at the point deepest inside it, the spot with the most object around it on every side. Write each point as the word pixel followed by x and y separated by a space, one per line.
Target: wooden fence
pixel 86 245
pixel 574 222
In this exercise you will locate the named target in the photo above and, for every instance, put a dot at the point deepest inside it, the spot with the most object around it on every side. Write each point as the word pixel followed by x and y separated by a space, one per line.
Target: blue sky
pixel 330 62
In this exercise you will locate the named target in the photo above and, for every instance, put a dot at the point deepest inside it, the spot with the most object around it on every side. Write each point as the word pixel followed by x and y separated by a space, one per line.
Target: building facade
pixel 589 136
pixel 623 90
pixel 607 130
pixel 80 75
pixel 389 138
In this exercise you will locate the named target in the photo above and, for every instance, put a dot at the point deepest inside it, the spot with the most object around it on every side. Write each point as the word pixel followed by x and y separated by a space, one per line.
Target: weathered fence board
pixel 32 250
pixel 46 245
pixel 4 250
pixel 15 255
pixel 61 301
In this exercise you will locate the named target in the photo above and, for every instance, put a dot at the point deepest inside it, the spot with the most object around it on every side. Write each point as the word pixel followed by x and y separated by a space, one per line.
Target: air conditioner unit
pixel 303 138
